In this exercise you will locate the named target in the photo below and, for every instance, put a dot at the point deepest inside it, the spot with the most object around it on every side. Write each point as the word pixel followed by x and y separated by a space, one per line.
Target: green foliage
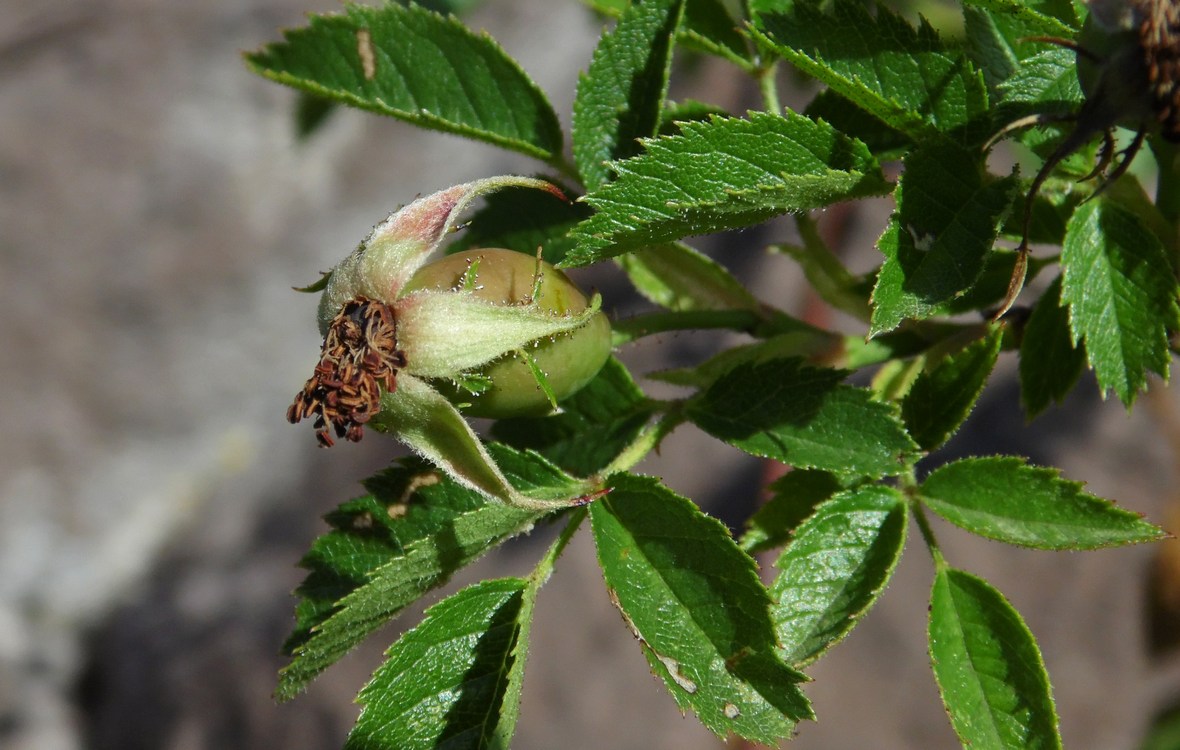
pixel 694 602
pixel 894 99
pixel 989 670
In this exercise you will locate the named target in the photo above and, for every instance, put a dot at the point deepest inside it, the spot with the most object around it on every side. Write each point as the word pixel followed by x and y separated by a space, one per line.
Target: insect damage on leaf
pixel 359 356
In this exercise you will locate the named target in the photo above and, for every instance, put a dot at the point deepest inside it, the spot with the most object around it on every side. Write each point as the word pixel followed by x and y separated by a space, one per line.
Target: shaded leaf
pixel 835 568
pixel 694 601
pixel 943 395
pixel 1049 362
pixel 796 495
pixel 988 667
pixel 676 277
pixel 905 77
pixel 444 683
pixel 415 65
pixel 619 98
pixel 412 531
pixel 522 220
pixel 948 215
pixel 724 174
pixel 1121 294
pixel 594 426
pixel 1005 499
pixel 803 416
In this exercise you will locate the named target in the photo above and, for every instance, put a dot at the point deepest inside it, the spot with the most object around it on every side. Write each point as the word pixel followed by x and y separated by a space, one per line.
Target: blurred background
pixel 156 208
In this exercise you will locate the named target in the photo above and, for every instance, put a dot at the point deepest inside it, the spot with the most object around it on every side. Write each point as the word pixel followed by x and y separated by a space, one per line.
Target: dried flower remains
pixel 359 358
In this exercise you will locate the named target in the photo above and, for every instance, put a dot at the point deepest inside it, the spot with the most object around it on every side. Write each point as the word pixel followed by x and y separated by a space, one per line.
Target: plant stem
pixel 757 323
pixel 768 85
pixel 928 534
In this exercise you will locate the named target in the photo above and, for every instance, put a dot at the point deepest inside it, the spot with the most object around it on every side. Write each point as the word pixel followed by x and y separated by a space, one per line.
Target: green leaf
pixel 708 27
pixel 989 669
pixel 1164 732
pixel 943 395
pixel 803 416
pixel 455 680
pixel 905 77
pixel 675 276
pixel 796 495
pixel 851 120
pixel 1005 499
pixel 417 66
pixel 702 617
pixel 835 568
pixel 1121 295
pixel 594 426
pixel 388 548
pixel 1049 362
pixel 619 98
pixel 522 220
pixel 688 110
pixel 445 682
pixel 724 174
pixel 949 211
pixel 1054 18
pixel 1045 83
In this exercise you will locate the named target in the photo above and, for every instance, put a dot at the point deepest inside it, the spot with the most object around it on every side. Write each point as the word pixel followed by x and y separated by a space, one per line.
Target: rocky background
pixel 155 210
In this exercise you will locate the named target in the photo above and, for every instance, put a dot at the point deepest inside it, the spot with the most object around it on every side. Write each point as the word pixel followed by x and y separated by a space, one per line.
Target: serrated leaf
pixel 851 120
pixel 905 77
pixel 989 669
pixel 949 211
pixel 795 497
pixel 694 601
pixel 708 27
pixel 619 98
pixel 1049 362
pixel 522 220
pixel 834 569
pixel 1054 18
pixel 943 395
pixel 1005 499
pixel 444 683
pixel 409 535
pixel 724 174
pixel 417 66
pixel 1045 83
pixel 803 416
pixel 676 277
pixel 688 110
pixel 594 426
pixel 1121 294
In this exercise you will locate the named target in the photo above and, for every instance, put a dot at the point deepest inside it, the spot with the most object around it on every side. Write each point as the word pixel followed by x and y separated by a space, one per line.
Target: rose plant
pixel 414 346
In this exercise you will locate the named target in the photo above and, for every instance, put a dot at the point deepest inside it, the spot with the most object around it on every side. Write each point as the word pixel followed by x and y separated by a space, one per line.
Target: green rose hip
pixel 508 386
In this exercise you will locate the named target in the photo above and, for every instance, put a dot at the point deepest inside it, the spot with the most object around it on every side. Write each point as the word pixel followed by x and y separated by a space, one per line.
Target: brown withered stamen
pixel 1159 37
pixel 359 357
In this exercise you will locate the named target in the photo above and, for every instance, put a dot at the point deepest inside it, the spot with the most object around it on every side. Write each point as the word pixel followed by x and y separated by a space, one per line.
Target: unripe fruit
pixel 505 277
